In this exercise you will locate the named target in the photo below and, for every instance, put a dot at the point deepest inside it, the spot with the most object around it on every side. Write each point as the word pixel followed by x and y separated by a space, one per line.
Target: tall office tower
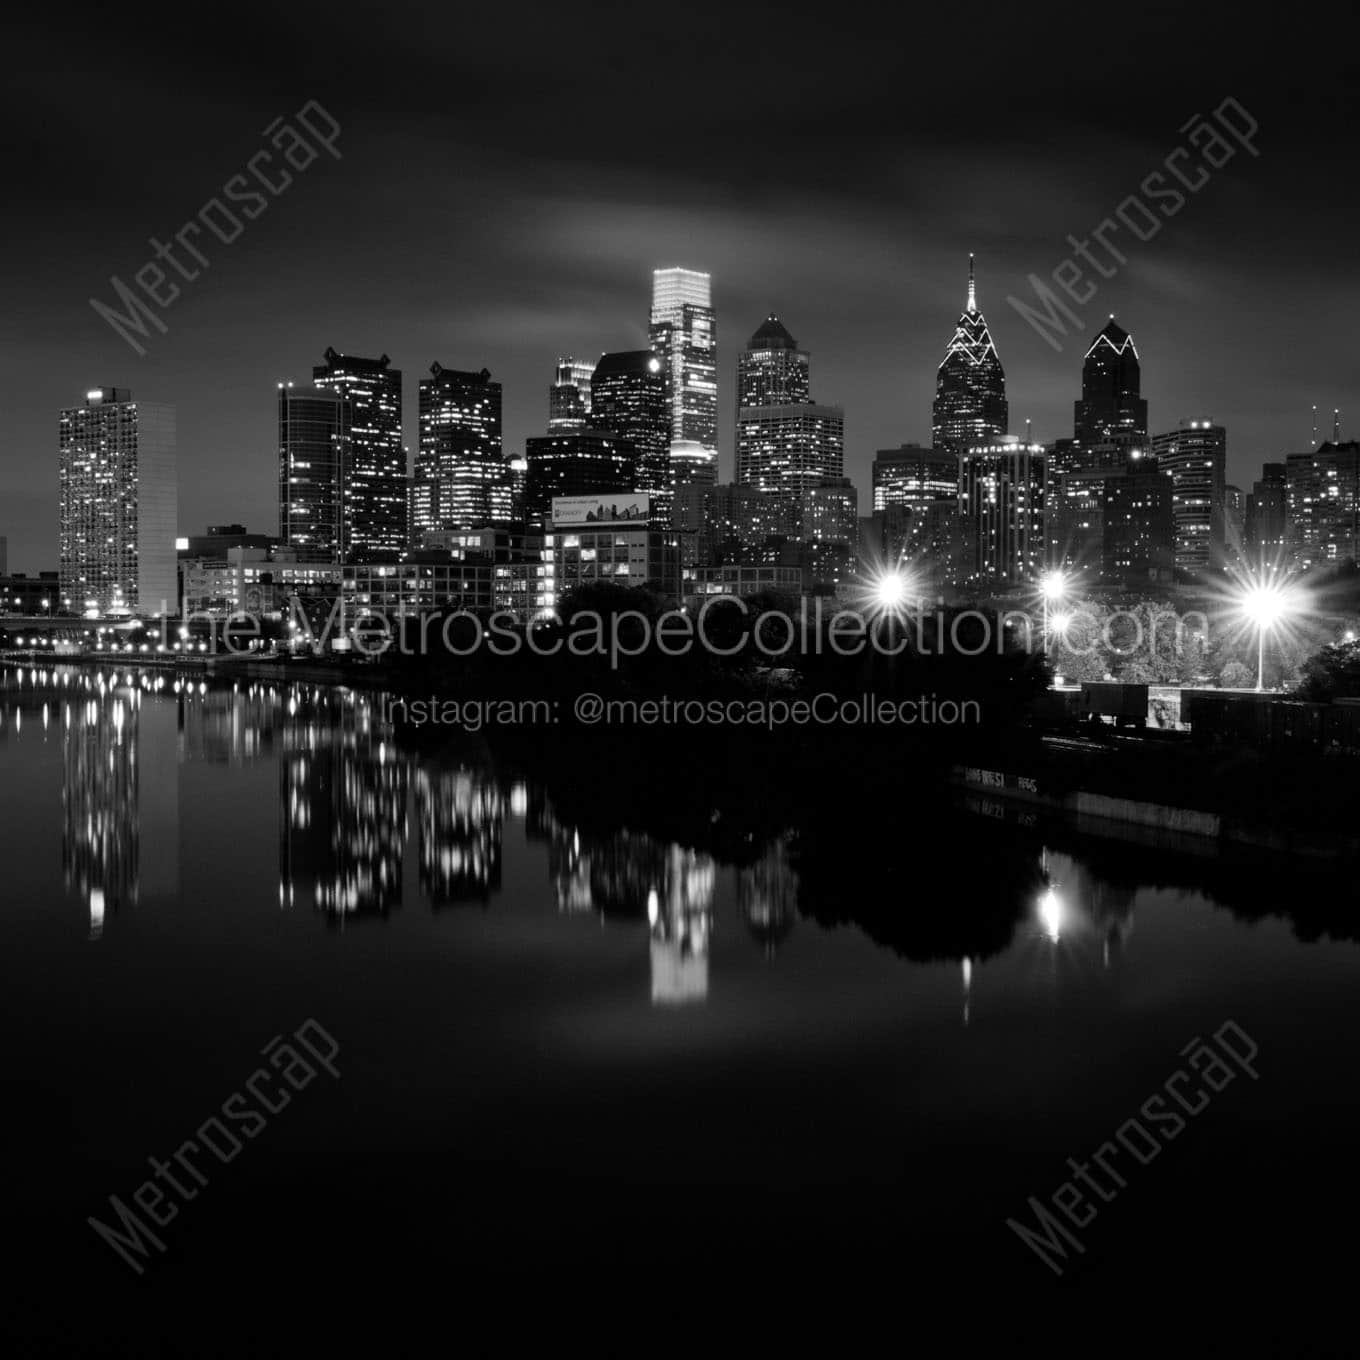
pixel 829 530
pixel 772 370
pixel 569 400
pixel 578 464
pixel 970 387
pixel 462 480
pixel 684 336
pixel 1110 404
pixel 118 505
pixel 313 453
pixel 1001 494
pixel 1138 538
pixel 786 444
pixel 375 490
pixel 1195 455
pixel 1266 517
pixel 628 400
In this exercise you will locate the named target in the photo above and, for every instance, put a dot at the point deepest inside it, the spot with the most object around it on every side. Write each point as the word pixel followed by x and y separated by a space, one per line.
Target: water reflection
pixel 352 793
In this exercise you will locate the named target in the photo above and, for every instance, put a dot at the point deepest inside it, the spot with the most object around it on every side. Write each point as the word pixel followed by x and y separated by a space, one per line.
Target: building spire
pixel 972 293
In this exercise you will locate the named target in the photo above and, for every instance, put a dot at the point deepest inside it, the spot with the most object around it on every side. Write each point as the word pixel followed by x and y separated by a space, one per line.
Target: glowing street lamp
pixel 1264 605
pixel 1052 586
pixel 890 590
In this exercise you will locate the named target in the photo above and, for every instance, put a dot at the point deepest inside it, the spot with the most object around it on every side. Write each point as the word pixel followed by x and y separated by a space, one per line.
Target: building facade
pixel 1001 493
pixel 313 451
pixel 1195 456
pixel 569 401
pixel 585 463
pixel 1111 404
pixel 970 386
pixel 375 489
pixel 628 400
pixel 462 479
pixel 119 503
pixel 684 336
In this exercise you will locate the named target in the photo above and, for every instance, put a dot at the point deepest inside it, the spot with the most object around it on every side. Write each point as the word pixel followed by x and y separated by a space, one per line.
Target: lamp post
pixel 1053 586
pixel 1265 605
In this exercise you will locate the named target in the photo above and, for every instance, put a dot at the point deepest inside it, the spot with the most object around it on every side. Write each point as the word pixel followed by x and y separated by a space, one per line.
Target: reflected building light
pixel 96 913
pixel 519 800
pixel 1051 915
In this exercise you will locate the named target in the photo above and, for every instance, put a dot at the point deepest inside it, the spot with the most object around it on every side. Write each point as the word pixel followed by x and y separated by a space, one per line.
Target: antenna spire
pixel 1315 424
pixel 1336 425
pixel 972 292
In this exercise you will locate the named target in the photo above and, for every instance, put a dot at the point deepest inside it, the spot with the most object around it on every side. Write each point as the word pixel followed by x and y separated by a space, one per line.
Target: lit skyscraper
pixel 1001 490
pixel 313 450
pixel 1110 408
pixel 684 336
pixel 772 370
pixel 970 386
pixel 1195 455
pixel 118 505
pixel 786 444
pixel 628 400
pixel 375 490
pixel 569 396
pixel 462 480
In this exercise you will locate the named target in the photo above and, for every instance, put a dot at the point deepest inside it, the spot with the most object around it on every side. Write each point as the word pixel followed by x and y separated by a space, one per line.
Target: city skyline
pixel 525 251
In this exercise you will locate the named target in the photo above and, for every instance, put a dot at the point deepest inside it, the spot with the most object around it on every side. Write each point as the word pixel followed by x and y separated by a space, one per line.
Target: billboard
pixel 608 507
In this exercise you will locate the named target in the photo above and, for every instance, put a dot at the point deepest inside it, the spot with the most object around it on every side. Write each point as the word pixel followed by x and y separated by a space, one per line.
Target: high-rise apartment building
pixel 580 464
pixel 375 489
pixel 1195 455
pixel 462 479
pixel 118 505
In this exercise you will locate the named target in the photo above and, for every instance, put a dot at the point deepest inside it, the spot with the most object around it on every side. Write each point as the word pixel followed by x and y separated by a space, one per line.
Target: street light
pixel 1052 586
pixel 1264 605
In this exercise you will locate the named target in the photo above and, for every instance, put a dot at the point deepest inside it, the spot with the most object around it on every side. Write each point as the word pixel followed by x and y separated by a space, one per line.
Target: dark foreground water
pixel 599 1090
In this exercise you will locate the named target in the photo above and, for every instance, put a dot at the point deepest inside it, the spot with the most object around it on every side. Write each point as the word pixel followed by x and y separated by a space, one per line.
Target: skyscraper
pixel 569 395
pixel 772 370
pixel 375 490
pixel 313 452
pixel 628 400
pixel 462 480
pixel 786 444
pixel 1110 408
pixel 914 477
pixel 118 505
pixel 970 386
pixel 1195 455
pixel 1001 490
pixel 1267 516
pixel 684 336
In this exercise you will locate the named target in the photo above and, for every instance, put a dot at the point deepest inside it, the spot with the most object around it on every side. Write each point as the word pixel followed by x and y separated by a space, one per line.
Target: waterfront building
pixel 118 503
pixel 462 479
pixel 581 463
pixel 375 496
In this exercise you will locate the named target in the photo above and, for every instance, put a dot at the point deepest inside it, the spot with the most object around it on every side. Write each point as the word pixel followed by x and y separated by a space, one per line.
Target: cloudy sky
pixel 509 176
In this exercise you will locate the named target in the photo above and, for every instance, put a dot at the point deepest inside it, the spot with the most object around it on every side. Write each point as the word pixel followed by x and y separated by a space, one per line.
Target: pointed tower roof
pixel 772 334
pixel 1115 336
pixel 972 340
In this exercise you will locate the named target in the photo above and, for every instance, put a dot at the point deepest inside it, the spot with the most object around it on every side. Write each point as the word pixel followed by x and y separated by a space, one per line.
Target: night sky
pixel 510 177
